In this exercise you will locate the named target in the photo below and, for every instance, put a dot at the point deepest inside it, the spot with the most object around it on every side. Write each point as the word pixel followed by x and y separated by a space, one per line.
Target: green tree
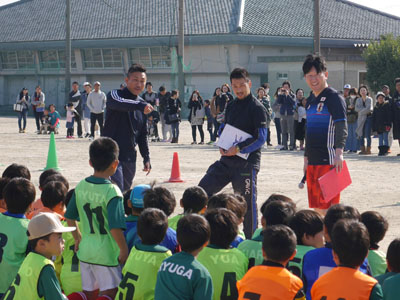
pixel 383 62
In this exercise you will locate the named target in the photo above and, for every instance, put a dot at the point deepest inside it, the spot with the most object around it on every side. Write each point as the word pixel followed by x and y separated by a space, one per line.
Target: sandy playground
pixel 376 180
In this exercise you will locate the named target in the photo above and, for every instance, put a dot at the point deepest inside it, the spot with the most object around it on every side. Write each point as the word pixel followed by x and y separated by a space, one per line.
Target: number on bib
pixel 3 242
pixel 127 284
pixel 99 216
pixel 229 290
pixel 251 296
pixel 9 295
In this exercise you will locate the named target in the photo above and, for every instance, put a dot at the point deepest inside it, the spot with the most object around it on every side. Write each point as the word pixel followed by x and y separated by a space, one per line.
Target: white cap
pixel 96 82
pixel 86 83
pixel 44 224
pixel 347 86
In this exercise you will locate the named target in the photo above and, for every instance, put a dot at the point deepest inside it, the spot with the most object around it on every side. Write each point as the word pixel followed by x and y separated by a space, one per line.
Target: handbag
pixel 201 113
pixel 173 117
pixel 221 117
pixel 18 107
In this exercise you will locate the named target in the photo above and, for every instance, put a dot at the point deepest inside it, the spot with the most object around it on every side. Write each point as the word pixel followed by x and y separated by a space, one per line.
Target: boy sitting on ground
pixel 350 244
pixel 194 201
pixel 181 276
pixel 36 278
pixel 377 226
pixel 272 280
pixel 225 264
pixel 19 194
pixel 393 265
pixel 308 226
pixel 145 258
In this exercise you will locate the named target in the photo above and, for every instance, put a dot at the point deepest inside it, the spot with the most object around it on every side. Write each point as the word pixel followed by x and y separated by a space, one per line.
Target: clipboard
pixel 232 136
pixel 333 183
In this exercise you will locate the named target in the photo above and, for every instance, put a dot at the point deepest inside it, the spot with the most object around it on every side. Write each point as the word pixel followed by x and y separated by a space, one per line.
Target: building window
pixel 55 59
pixel 282 76
pixel 17 60
pixel 102 58
pixel 153 57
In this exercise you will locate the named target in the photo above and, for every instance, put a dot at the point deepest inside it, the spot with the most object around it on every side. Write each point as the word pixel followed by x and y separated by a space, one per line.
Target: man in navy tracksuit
pixel 248 114
pixel 126 123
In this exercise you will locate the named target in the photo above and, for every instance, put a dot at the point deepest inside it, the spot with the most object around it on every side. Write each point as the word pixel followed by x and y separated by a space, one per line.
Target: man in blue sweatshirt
pixel 126 124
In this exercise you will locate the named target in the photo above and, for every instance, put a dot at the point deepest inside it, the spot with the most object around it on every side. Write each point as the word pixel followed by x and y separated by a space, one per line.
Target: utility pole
pixel 317 42
pixel 181 45
pixel 67 49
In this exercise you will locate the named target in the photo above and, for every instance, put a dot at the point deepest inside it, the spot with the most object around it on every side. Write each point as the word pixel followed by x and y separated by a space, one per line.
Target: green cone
pixel 52 161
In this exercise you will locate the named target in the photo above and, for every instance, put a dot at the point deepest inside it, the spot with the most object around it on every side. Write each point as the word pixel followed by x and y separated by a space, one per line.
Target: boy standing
pixel 19 194
pixel 181 276
pixel 36 278
pixel 350 242
pixel 225 264
pixel 272 280
pixel 140 270
pixel 99 206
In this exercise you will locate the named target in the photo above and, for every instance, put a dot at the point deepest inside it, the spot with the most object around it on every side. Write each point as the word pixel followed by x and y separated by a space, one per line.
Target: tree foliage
pixel 383 62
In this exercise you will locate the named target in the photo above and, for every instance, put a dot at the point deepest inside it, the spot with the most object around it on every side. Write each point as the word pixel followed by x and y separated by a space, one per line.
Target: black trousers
pixel 200 127
pixel 79 123
pixel 244 182
pixel 38 119
pixel 100 119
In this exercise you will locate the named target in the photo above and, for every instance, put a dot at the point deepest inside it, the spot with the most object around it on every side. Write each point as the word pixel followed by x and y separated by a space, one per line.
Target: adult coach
pixel 326 131
pixel 248 114
pixel 126 124
pixel 76 98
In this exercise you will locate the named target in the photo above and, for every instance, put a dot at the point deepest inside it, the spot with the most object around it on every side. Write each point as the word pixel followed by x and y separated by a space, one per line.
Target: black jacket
pixel 172 108
pixel 396 115
pixel 126 124
pixel 381 117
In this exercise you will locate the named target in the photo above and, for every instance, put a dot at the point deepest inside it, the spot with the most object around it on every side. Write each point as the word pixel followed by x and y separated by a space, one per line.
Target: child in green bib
pixel 97 203
pixel 194 201
pixel 36 278
pixel 182 276
pixel 393 266
pixel 308 226
pixel 19 194
pixel 225 263
pixel 275 213
pixel 377 226
pixel 145 258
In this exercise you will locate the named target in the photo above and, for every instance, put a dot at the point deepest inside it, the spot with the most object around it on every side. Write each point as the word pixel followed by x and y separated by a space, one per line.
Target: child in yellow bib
pixel 36 278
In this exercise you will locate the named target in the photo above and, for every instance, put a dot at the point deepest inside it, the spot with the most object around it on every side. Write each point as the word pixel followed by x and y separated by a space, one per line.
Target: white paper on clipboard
pixel 232 136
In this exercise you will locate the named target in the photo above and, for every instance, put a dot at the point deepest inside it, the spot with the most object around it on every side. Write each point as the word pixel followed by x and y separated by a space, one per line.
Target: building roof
pixel 43 20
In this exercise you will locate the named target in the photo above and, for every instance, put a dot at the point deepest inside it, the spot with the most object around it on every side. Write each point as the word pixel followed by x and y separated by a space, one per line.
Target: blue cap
pixel 137 195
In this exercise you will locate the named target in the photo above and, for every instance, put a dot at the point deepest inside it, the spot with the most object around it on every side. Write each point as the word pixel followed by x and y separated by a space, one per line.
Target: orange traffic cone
pixel 175 171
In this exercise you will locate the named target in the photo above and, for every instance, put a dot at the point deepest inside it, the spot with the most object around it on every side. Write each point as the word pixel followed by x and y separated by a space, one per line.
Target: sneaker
pixel 87 135
pixel 210 143
pixel 201 143
pixel 80 136
pixel 193 143
pixel 91 138
pixel 279 147
pixel 23 131
pixel 20 131
pixel 284 149
pixel 269 144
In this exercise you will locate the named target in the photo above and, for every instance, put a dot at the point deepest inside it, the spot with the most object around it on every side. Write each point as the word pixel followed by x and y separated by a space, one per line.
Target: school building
pixel 270 38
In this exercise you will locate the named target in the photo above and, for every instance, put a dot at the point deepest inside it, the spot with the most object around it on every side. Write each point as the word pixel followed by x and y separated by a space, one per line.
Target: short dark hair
pixel 161 198
pixel 194 199
pixel 224 226
pixel 277 197
pixel 228 201
pixel 46 174
pixel 3 182
pixel 148 83
pixel 207 101
pixel 239 73
pixel 354 91
pixel 16 170
pixel 19 193
pixel 350 241
pixel 53 193
pixel 393 257
pixel 338 212
pixel 286 82
pixel 279 243
pixel 278 212
pixel 69 196
pixel 265 85
pixel 33 243
pixel 103 152
pixel 57 177
pixel 75 82
pixel 174 92
pixel 377 226
pixel 307 222
pixel 192 232
pixel 316 61
pixel 397 80
pixel 136 68
pixel 161 88
pixel 152 226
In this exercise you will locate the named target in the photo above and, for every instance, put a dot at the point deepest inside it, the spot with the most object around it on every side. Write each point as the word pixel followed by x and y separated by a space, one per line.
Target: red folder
pixel 332 183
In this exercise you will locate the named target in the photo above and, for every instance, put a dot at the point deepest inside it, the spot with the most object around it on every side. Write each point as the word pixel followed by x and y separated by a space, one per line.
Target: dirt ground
pixel 375 179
